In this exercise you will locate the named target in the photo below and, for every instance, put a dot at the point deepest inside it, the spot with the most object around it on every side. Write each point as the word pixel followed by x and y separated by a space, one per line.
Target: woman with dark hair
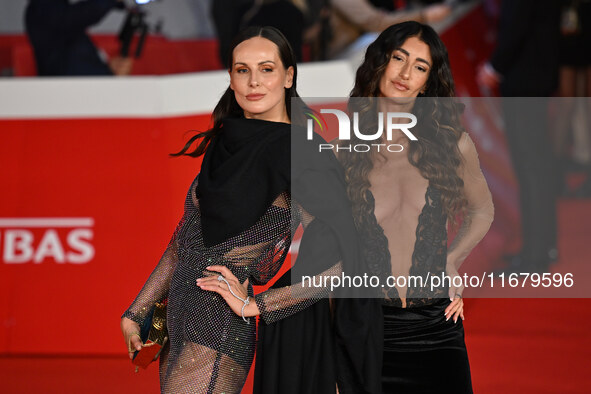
pixel 236 225
pixel 403 201
pixel 240 214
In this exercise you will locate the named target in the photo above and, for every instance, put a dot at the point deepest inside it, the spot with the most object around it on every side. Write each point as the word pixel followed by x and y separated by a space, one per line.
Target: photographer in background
pixel 525 63
pixel 57 31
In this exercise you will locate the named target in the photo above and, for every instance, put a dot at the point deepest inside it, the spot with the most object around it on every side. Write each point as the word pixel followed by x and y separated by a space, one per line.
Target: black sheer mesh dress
pixel 211 348
pixel 247 167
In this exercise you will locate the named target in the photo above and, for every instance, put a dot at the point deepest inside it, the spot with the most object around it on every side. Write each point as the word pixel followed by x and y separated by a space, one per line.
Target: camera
pixel 134 29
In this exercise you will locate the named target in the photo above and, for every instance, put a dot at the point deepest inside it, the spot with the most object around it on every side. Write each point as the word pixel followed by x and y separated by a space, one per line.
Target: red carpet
pixel 515 345
pixel 529 346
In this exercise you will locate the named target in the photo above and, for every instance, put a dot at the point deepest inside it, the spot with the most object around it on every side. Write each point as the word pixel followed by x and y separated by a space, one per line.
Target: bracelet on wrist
pixel 246 302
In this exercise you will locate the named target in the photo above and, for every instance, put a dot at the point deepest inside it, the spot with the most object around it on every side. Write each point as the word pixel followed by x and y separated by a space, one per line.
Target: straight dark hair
pixel 228 107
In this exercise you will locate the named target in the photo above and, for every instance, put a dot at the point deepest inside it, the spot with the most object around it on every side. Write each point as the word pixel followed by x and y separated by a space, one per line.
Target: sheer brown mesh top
pixel 409 231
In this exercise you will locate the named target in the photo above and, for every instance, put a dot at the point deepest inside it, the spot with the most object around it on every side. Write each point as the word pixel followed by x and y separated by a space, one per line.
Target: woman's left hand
pixel 213 283
pixel 456 308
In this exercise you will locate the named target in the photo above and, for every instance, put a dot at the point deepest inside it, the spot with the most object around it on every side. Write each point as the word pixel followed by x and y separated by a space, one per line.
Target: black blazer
pixel 527 53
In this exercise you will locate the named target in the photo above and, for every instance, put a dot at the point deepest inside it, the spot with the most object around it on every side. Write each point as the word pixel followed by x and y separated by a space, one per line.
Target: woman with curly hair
pixel 403 201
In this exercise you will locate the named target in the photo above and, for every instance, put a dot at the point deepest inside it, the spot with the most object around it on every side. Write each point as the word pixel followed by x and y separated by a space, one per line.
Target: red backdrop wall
pixel 115 171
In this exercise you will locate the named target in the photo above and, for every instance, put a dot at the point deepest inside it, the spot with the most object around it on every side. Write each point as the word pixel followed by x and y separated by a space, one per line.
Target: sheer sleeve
pixel 156 287
pixel 278 303
pixel 298 288
pixel 480 210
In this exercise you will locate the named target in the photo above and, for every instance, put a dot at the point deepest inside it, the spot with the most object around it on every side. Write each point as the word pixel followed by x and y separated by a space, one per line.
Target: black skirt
pixel 424 353
pixel 295 355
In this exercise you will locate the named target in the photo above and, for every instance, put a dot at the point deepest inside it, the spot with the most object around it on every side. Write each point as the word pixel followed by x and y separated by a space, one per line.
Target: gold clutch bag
pixel 154 336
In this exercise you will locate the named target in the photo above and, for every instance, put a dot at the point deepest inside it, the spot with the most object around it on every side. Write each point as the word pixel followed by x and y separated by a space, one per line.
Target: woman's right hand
pixel 131 335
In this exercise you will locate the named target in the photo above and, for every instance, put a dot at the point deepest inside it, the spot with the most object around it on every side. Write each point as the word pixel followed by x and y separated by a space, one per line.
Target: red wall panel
pixel 114 171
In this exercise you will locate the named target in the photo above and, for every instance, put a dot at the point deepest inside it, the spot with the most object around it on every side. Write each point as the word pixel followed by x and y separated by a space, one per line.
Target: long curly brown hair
pixel 436 153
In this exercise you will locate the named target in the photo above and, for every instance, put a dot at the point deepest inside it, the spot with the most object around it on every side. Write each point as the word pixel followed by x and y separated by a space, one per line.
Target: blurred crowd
pixel 324 27
pixel 317 29
pixel 542 51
